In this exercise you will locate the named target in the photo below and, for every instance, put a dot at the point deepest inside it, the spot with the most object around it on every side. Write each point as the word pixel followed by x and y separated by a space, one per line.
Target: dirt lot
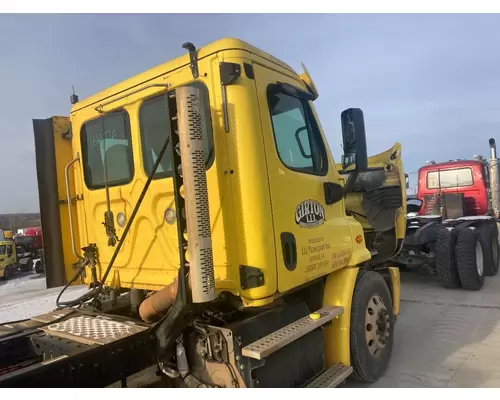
pixel 444 338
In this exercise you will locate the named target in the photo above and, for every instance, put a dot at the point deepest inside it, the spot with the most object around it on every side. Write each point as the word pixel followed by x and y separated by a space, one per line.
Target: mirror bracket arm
pixel 350 182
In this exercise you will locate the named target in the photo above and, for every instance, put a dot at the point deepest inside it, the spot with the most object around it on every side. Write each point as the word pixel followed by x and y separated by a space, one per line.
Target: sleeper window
pixel 107 150
pixel 155 126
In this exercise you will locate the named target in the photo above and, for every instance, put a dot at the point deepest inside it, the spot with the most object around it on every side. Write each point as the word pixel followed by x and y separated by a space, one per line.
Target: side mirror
pixel 354 139
pixel 407 180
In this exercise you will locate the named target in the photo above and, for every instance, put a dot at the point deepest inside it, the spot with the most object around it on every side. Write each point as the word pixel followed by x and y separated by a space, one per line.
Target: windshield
pixel 2 249
pixel 23 240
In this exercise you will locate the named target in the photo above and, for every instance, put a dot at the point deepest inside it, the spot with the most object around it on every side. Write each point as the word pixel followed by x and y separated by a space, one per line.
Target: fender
pixel 339 289
pixel 395 288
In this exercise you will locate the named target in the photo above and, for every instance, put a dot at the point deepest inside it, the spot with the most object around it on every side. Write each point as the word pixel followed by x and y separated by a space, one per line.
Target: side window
pixel 154 122
pixel 296 134
pixel 107 151
pixel 9 250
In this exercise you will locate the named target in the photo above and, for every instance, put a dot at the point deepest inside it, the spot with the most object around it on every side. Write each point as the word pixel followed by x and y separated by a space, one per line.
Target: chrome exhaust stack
pixel 494 179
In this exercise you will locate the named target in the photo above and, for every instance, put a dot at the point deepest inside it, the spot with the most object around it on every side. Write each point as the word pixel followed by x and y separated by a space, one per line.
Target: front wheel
pixel 7 273
pixel 372 327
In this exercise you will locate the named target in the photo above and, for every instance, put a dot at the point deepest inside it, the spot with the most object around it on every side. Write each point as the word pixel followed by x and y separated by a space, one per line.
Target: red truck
pixel 452 222
pixel 29 248
pixel 467 177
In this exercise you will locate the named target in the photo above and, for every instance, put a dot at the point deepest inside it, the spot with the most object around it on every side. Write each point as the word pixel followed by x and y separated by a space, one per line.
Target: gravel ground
pixel 444 338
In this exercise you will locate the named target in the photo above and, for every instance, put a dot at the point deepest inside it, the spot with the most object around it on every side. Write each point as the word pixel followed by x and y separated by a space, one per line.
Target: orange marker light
pixel 359 239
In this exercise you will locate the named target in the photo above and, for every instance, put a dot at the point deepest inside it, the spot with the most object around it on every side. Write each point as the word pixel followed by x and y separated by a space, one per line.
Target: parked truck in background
pixel 452 222
pixel 201 204
pixel 8 257
pixel 13 257
pixel 29 247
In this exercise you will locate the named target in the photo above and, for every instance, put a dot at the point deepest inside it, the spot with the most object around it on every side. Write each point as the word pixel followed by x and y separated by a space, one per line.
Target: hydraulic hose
pixel 85 297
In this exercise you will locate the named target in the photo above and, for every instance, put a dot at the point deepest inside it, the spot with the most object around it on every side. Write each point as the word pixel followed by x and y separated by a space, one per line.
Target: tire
pixel 7 274
pixel 38 267
pixel 28 266
pixel 470 259
pixel 369 366
pixel 446 266
pixel 488 235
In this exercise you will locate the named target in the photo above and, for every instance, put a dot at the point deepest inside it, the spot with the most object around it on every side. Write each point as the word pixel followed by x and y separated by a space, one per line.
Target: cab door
pixel 11 255
pixel 312 237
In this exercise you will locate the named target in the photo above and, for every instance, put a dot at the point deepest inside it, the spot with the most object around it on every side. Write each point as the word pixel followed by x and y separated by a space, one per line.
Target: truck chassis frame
pixel 421 245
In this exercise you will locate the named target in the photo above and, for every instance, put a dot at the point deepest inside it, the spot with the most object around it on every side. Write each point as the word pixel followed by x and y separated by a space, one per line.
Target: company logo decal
pixel 309 214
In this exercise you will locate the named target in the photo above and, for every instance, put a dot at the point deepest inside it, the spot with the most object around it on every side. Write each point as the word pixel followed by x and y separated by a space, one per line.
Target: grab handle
pixel 68 198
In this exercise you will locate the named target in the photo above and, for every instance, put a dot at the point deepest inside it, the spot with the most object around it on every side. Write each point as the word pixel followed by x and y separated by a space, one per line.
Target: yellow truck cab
pixel 8 259
pixel 200 199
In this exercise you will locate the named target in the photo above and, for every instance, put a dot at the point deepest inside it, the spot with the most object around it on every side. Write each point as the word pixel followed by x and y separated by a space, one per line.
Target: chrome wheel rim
pixel 377 325
pixel 479 259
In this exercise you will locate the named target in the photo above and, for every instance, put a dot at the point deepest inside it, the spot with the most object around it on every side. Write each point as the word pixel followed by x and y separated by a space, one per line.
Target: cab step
pixel 332 377
pixel 276 340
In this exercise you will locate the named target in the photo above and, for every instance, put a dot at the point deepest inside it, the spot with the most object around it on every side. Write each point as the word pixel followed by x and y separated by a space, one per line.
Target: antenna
pixel 73 98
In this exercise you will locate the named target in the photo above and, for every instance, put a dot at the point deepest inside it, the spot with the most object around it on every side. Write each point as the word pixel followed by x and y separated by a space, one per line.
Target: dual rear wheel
pixel 465 256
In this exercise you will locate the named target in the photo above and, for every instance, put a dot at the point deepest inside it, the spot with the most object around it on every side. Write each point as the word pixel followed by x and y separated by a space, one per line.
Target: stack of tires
pixel 466 255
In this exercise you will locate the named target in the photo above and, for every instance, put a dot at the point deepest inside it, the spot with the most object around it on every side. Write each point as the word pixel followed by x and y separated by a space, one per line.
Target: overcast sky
pixel 431 82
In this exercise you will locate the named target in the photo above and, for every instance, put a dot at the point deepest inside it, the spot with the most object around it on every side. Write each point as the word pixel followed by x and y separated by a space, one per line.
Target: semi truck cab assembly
pixel 202 207
pixel 452 223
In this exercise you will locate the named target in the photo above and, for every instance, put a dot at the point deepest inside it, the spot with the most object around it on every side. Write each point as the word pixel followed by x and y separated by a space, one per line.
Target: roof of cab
pixel 162 69
pixel 450 165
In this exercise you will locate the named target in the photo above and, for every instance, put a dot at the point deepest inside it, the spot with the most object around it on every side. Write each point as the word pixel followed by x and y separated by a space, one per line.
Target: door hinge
pixel 74 199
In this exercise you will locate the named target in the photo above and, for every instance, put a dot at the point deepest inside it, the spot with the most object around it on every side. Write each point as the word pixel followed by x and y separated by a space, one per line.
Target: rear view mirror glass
pixel 354 139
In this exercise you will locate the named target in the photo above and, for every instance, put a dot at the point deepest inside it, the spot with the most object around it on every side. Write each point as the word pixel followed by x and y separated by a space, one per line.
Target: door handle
pixel 289 247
